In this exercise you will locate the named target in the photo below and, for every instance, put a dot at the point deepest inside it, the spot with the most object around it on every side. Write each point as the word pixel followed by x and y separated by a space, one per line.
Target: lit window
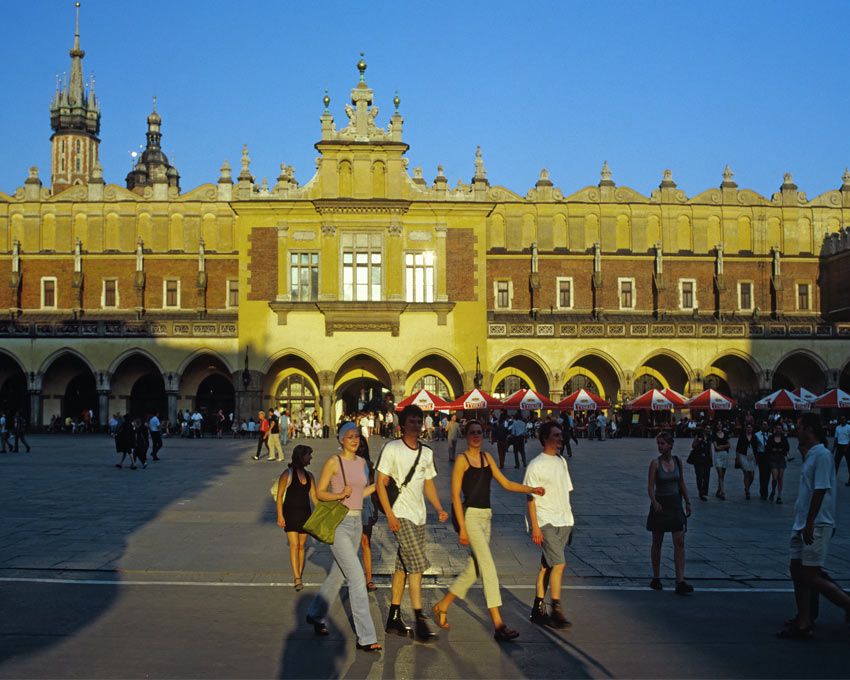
pixel 803 297
pixel 110 293
pixel 48 293
pixel 362 269
pixel 502 293
pixel 419 276
pixel 565 293
pixel 232 293
pixel 171 294
pixel 627 293
pixel 303 276
pixel 745 296
pixel 687 289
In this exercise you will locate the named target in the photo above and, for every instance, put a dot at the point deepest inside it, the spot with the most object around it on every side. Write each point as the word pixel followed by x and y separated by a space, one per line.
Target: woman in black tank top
pixel 473 471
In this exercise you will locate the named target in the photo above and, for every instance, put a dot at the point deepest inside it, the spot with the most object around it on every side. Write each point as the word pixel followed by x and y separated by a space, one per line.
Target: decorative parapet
pixel 119 329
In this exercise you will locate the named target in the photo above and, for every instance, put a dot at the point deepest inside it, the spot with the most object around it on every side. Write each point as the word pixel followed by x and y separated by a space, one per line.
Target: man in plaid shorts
pixel 406 517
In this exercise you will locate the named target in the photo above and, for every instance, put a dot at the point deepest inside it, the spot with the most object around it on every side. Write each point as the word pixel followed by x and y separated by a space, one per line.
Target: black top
pixel 777 449
pixel 744 444
pixel 476 485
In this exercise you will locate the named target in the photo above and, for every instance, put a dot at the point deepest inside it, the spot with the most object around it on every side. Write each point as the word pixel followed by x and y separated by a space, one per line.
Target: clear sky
pixel 689 86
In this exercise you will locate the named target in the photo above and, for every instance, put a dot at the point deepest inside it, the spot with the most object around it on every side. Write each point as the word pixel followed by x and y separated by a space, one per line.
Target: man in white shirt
pixel 406 516
pixel 601 424
pixel 841 447
pixel 762 459
pixel 551 520
pixel 814 525
pixel 156 435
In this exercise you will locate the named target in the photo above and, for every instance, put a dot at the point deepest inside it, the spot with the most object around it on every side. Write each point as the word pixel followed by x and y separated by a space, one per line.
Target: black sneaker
pixel 656 584
pixel 684 588
pixel 540 617
pixel 423 630
pixel 557 618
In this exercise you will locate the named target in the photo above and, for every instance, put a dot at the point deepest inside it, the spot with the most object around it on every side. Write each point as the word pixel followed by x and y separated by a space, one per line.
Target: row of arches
pixel 67 384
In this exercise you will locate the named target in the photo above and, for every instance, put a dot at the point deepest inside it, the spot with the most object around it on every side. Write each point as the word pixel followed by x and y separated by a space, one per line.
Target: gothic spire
pixel 76 94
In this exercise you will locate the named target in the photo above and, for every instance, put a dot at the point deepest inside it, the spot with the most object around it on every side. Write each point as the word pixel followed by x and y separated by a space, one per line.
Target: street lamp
pixel 246 374
pixel 477 378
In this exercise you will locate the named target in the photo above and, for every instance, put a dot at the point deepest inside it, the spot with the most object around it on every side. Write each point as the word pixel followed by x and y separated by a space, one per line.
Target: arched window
pixel 296 395
pixel 509 385
pixel 580 382
pixel 434 385
pixel 646 382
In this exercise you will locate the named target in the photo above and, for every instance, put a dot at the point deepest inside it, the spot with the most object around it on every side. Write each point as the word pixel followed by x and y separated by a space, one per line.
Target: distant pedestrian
pixel 745 457
pixel 295 489
pixel 125 441
pixel 841 446
pixel 777 453
pixel 720 441
pixel 700 458
pixel 141 441
pixel 601 425
pixel 762 459
pixel 19 430
pixel 518 430
pixel 4 433
pixel 155 427
pixel 666 489
pixel 264 434
pixel 220 421
pixel 273 439
pixel 452 435
pixel 813 528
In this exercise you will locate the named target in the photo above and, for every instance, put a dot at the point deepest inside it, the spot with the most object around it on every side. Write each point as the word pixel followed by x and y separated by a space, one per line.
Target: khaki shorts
pixel 813 555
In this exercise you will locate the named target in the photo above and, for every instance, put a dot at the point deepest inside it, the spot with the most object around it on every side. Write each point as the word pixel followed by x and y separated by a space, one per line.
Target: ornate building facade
pixel 367 281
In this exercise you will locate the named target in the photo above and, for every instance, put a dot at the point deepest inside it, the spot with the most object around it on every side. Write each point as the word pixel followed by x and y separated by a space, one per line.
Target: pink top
pixel 356 476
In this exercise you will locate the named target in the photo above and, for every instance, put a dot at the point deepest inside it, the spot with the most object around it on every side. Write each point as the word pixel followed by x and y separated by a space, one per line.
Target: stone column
pixel 103 407
pixel 283 294
pixel 35 409
pixel 327 395
pixel 172 406
pixel 442 265
pixel 394 263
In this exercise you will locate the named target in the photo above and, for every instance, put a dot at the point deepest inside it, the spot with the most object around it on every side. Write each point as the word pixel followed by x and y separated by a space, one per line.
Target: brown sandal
pixel 371 587
pixel 441 617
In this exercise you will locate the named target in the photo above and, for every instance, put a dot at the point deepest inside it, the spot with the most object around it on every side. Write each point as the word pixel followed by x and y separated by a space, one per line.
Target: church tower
pixel 153 167
pixel 75 119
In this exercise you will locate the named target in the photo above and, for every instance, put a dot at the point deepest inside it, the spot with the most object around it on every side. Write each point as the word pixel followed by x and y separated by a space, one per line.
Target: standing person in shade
pixel 472 474
pixel 666 489
pixel 220 421
pixel 155 428
pixel 19 429
pixel 141 441
pixel 777 451
pixel 518 430
pixel 347 475
pixel 411 465
pixel 273 439
pixel 263 439
pixel 762 460
pixel 295 489
pixel 284 429
pixel 4 433
pixel 745 457
pixel 720 440
pixel 125 441
pixel 551 520
pixel 567 424
pixel 700 458
pixel 502 433
pixel 813 528
pixel 452 435
pixel 841 446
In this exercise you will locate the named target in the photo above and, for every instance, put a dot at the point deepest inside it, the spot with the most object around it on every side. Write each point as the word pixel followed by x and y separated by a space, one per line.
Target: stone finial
pixel 32 176
pixel 97 173
pixel 361 66
pixel 605 176
pixel 543 180
pixel 659 259
pixel 326 100
pixel 728 182
pixel 245 173
pixel 225 176
pixel 845 180
pixel 480 172
pixel 418 177
pixel 441 175
pixel 396 101
pixel 788 183
pixel 667 180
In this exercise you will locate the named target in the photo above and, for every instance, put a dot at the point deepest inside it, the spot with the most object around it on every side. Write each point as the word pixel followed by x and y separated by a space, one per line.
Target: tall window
pixel 565 293
pixel 434 385
pixel 688 293
pixel 296 395
pixel 110 293
pixel 745 296
pixel 509 385
pixel 803 297
pixel 171 293
pixel 502 294
pixel 48 293
pixel 627 293
pixel 361 267
pixel 232 293
pixel 304 277
pixel 419 276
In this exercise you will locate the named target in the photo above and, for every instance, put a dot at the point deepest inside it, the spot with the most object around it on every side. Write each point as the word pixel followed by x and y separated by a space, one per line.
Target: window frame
pixel 809 296
pixel 314 294
pixel 558 281
pixel 510 292
pixel 53 280
pixel 370 250
pixel 620 281
pixel 165 304
pixel 103 304
pixel 227 283
pixel 409 295
pixel 752 306
pixel 695 302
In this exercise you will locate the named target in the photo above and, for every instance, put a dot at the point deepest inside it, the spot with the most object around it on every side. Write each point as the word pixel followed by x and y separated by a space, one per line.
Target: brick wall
pixel 460 265
pixel 262 263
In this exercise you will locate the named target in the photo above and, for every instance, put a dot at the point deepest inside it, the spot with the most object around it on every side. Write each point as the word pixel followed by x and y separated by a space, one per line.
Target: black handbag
pixel 393 489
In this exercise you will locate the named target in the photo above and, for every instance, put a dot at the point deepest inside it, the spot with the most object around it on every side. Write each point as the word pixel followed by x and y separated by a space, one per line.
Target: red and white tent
pixel 425 400
pixel 653 400
pixel 529 400
pixel 582 400
pixel 474 400
pixel 677 399
pixel 783 400
pixel 833 399
pixel 710 400
pixel 805 395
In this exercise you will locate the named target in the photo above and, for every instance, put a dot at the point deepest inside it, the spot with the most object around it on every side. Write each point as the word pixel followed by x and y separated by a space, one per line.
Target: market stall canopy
pixel 582 400
pixel 710 400
pixel 475 400
pixel 805 395
pixel 833 399
pixel 529 400
pixel 783 400
pixel 425 400
pixel 677 399
pixel 653 400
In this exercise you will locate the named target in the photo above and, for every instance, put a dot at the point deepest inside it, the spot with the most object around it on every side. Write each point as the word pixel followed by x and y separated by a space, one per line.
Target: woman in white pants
pixel 473 471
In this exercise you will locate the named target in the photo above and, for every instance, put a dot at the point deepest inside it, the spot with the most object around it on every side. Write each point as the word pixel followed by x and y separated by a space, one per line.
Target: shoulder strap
pixel 342 469
pixel 412 468
pixel 678 464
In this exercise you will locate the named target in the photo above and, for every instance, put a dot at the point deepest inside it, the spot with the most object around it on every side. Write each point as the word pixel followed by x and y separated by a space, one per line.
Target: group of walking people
pixel 133 438
pixel 401 481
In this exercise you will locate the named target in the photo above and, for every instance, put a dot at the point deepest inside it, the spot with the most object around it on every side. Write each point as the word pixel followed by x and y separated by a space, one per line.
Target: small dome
pixel 154 118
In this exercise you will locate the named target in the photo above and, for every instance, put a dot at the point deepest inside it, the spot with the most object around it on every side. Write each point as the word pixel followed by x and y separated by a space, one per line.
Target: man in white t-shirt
pixel 841 447
pixel 406 516
pixel 814 525
pixel 551 519
pixel 156 435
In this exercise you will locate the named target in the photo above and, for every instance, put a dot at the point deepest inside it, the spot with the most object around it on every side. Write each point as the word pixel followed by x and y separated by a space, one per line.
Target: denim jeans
pixel 346 567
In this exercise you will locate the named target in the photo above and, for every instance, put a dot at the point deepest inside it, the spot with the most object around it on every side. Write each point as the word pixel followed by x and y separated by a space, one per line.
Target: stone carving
pixel 140 258
pixel 328 230
pixel 303 235
pixel 419 236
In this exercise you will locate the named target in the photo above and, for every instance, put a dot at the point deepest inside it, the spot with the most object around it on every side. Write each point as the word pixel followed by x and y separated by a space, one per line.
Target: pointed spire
pixel 605 176
pixel 326 100
pixel 225 175
pixel 361 66
pixel 728 182
pixel 396 101
pixel 76 95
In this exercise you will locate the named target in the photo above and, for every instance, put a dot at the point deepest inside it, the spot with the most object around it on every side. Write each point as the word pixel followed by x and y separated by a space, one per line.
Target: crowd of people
pixel 13 433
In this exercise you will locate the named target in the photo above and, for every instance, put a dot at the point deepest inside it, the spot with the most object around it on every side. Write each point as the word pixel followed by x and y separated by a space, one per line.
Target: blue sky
pixel 561 85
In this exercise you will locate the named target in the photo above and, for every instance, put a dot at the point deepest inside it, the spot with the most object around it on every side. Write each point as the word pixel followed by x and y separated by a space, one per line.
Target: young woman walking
pixel 745 457
pixel 295 489
pixel 721 458
pixel 345 477
pixel 473 471
pixel 777 451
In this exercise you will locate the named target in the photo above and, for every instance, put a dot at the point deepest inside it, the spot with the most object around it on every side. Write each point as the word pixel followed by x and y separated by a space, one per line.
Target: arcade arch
pixel 362 382
pixel 14 396
pixel 292 383
pixel 68 388
pixel 138 387
pixel 529 369
pixel 596 369
pixel 800 369
pixel 667 368
pixel 206 386
pixel 436 373
pixel 736 375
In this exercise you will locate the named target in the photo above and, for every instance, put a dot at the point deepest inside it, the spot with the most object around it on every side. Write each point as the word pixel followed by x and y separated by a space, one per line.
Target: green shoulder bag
pixel 326 516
